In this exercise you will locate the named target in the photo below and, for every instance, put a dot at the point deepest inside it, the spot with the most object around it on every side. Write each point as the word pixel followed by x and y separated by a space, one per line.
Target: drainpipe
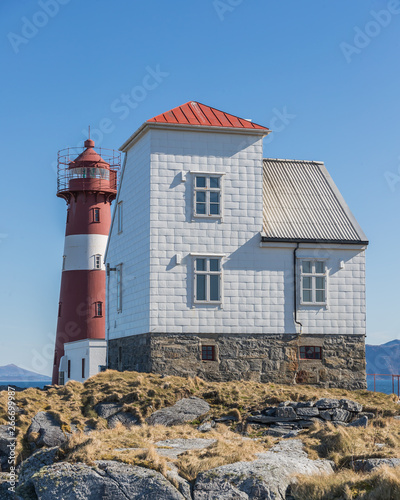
pixel 295 305
pixel 108 272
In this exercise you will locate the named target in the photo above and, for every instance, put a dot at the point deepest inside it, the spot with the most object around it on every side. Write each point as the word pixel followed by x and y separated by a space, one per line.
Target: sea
pixel 25 385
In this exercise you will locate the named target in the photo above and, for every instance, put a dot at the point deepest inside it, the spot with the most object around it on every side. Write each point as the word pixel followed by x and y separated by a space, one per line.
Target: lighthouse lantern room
pixel 87 181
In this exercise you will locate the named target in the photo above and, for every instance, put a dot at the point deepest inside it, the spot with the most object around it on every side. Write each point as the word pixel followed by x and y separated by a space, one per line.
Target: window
pixel 59 309
pixel 207 277
pixel 310 352
pixel 207 196
pixel 83 367
pixel 97 261
pixel 67 216
pixel 61 379
pixel 313 282
pixel 119 216
pixel 96 215
pixel 98 309
pixel 208 353
pixel 119 287
pixel 119 358
pixel 63 264
pixel 69 368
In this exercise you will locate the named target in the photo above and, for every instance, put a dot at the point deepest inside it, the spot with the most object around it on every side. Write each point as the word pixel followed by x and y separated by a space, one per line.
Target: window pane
pixel 302 352
pixel 214 287
pixel 320 295
pixel 306 266
pixel 200 208
pixel 307 296
pixel 214 264
pixel 200 197
pixel 201 287
pixel 214 208
pixel 200 264
pixel 214 197
pixel 201 182
pixel 307 283
pixel 319 267
pixel 320 283
pixel 214 182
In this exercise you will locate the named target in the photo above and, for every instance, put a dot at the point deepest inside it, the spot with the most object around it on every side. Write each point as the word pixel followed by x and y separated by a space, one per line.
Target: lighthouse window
pixel 96 215
pixel 119 216
pixel 83 367
pixel 98 309
pixel 59 309
pixel 119 288
pixel 97 261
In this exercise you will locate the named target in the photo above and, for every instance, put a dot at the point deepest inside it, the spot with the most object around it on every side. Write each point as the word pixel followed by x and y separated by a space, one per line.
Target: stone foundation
pixel 258 357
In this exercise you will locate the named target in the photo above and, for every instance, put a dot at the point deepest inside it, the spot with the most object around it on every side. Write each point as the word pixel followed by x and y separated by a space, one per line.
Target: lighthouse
pixel 87 181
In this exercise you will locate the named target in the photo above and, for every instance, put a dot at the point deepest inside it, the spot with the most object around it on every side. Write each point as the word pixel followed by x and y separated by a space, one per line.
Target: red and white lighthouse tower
pixel 88 183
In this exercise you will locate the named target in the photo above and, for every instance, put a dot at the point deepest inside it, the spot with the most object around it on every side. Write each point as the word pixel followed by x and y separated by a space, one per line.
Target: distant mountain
pixel 383 358
pixel 13 373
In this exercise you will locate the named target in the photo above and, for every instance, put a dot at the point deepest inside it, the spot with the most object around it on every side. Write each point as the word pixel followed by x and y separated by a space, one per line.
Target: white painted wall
pixel 94 353
pixel 257 282
pixel 80 249
pixel 131 247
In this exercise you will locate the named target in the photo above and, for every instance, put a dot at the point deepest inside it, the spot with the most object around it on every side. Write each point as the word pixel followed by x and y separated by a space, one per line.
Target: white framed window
pixel 97 261
pixel 207 195
pixel 63 264
pixel 207 280
pixel 119 287
pixel 313 282
pixel 119 216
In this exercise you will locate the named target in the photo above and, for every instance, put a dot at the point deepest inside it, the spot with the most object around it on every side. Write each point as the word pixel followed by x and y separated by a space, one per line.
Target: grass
pixel 142 394
pixel 382 484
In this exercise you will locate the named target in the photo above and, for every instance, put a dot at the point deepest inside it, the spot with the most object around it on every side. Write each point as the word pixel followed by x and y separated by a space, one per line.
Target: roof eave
pixel 267 239
pixel 198 128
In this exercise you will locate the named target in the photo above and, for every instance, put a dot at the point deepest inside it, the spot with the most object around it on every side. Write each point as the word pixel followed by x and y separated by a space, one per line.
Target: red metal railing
pixel 395 381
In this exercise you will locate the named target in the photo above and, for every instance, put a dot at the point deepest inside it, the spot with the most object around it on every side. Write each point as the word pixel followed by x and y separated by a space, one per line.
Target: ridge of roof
pixel 196 113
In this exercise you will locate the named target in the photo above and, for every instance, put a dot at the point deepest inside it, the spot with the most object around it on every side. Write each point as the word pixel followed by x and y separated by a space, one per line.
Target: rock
pixel 5 440
pixel 107 410
pixel 183 411
pixel 348 404
pixel 339 415
pixel 370 464
pixel 327 403
pixel 368 414
pixel 281 432
pixel 286 412
pixel 183 485
pixel 305 424
pixel 307 412
pixel 32 465
pixel 205 427
pixel 125 418
pixel 305 404
pixel 107 479
pixel 268 477
pixel 172 448
pixel 269 412
pixel 326 414
pixel 360 422
pixel 397 417
pixel 50 433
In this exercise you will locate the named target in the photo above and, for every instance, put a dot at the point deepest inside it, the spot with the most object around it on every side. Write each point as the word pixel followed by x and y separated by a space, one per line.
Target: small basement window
pixel 310 352
pixel 98 309
pixel 96 215
pixel 208 353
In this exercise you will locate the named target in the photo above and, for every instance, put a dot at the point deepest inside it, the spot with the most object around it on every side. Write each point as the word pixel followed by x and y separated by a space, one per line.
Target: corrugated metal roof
pixel 195 113
pixel 301 202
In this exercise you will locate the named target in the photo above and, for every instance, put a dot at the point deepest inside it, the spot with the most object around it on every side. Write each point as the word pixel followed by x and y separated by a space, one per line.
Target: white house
pixel 226 265
pixel 82 359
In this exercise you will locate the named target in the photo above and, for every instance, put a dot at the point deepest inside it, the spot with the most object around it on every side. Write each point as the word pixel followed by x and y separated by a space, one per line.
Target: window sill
pixel 203 216
pixel 205 303
pixel 311 304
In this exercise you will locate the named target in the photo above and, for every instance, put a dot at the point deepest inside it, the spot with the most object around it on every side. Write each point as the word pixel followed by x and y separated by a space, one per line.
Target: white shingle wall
pixel 257 282
pixel 132 247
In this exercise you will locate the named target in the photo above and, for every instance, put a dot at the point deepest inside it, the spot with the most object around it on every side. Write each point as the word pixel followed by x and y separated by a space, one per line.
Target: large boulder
pixel 48 429
pixel 369 464
pixel 5 440
pixel 107 410
pixel 183 411
pixel 268 477
pixel 41 458
pixel 108 479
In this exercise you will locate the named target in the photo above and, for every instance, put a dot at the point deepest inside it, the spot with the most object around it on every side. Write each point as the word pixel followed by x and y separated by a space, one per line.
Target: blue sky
pixel 324 75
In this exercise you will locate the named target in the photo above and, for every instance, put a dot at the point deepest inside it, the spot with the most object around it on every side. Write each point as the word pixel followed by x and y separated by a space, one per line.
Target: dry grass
pixel 144 393
pixel 136 446
pixel 382 484
pixel 342 444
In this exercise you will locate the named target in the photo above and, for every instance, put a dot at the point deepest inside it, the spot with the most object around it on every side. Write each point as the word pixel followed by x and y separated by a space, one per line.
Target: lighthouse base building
pixel 228 265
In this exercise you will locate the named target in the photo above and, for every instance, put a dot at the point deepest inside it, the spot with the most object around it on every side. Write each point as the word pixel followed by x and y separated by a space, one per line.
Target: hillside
pixel 13 373
pixel 384 358
pixel 112 418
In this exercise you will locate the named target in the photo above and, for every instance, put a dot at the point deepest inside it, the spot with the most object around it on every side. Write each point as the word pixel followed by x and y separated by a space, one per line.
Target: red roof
pixel 195 113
